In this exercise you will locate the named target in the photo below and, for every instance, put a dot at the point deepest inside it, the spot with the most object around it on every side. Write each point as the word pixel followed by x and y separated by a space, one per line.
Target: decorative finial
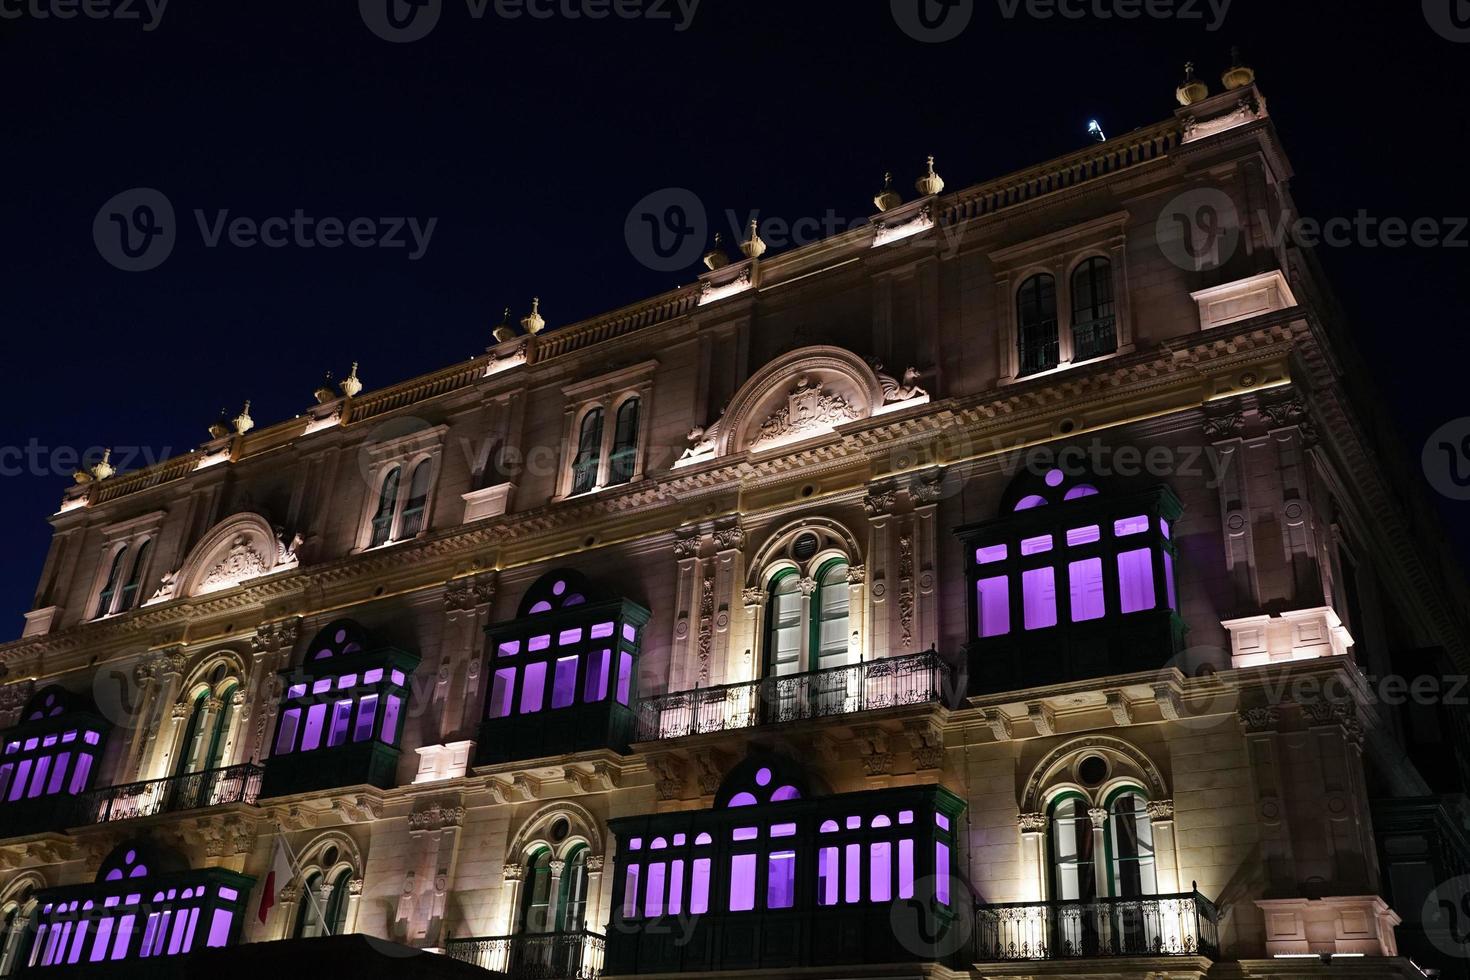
pixel 103 469
pixel 1191 90
pixel 716 258
pixel 81 476
pixel 533 323
pixel 931 183
pixel 503 330
pixel 324 392
pixel 351 384
pixel 243 422
pixel 220 427
pixel 888 198
pixel 753 247
pixel 1239 74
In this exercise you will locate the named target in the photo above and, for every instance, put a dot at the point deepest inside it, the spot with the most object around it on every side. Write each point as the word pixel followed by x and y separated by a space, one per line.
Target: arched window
pixel 387 506
pixel 783 644
pixel 322 908
pixel 830 628
pixel 108 595
pixel 536 912
pixel 135 580
pixel 589 453
pixel 15 916
pixel 1036 322
pixel 573 917
pixel 195 744
pixel 1074 875
pixel 808 634
pixel 418 500
pixel 625 444
pixel 1131 846
pixel 1094 322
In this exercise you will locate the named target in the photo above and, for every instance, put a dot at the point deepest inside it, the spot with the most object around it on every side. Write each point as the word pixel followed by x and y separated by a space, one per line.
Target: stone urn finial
pixel 104 468
pixel 931 183
pixel 1239 74
pixel 1191 90
pixel 351 384
pixel 243 422
pixel 220 427
pixel 887 199
pixel 753 247
pixel 503 330
pixel 716 258
pixel 533 323
pixel 81 476
pixel 324 391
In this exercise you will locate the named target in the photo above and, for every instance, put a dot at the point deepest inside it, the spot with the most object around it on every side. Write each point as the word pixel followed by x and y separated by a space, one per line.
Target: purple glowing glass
pixel 880 871
pixel 1079 491
pixel 941 821
pixel 599 668
pixel 993 600
pixel 1084 535
pixel 1130 525
pixel 1031 502
pixel 219 928
pixel 880 821
pixel 676 887
pixel 296 691
pixel 372 676
pixel 703 839
pixel 390 719
pixel 783 830
pixel 630 633
pixel 564 682
pixel 568 637
pixel 228 894
pixel 828 827
pixel 500 692
pixel 1136 580
pixel 92 738
pixel 533 688
pixel 625 677
pixel 653 901
pixel 941 872
pixel 784 793
pixel 659 844
pixel 1169 581
pixel 742 882
pixel 311 735
pixel 286 739
pixel 341 718
pixel 630 892
pixel 1085 582
pixel 346 681
pixel 58 774
pixel 827 876
pixel 745 833
pixel 1039 597
pixel 22 773
pixel 991 555
pixel 635 844
pixel 906 868
pixel 99 945
pixel 1037 545
pixel 367 708
pixel 781 880
pixel 321 686
pixel 509 648
pixel 763 777
pixel 601 631
pixel 853 874
pixel 397 677
pixel 699 887
pixel 538 643
pixel 1054 478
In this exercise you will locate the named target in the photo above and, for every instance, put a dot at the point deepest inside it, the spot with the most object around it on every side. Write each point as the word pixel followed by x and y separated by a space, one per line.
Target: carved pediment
pixel 810 409
pixel 237 550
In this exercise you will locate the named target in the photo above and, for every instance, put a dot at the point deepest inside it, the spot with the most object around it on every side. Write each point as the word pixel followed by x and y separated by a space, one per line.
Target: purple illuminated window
pixel 564 682
pixel 784 793
pixel 601 631
pixel 742 882
pixel 630 633
pixel 125 935
pixel 599 668
pixel 827 875
pixel 219 928
pixel 38 779
pixel 58 775
pixel 568 637
pixel 509 648
pixel 290 721
pixel 1136 580
pixel 373 676
pixel 993 597
pixel 397 677
pixel 1054 478
pixel 653 902
pixel 1037 545
pixel 1039 591
pixel 783 830
pixel 501 690
pixel 533 688
pixel 22 773
pixel 676 887
pixel 941 872
pixel 853 874
pixel 311 735
pixel 390 719
pixel 625 677
pixel 321 686
pixel 540 607
pixel 296 690
pixel 1084 535
pixel 703 839
pixel 366 709
pixel 635 844
pixel 1164 527
pixel 880 871
pixel 829 827
pixel 1085 580
pixel 539 643
pixel 1079 491
pixel 941 821
pixel 906 868
pixel 1130 525
pixel 630 893
pixel 905 816
pixel 991 555
pixel 1169 580
pixel 99 945
pixel 745 833
pixel 341 718
pixel 699 887
pixel 659 844
pixel 781 880
pixel 1031 502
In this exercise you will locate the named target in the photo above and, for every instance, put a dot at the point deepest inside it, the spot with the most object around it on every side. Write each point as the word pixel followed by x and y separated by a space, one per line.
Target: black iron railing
pixel 1094 338
pixel 193 791
pixel 888 682
pixel 1158 925
pixel 547 956
pixel 1040 351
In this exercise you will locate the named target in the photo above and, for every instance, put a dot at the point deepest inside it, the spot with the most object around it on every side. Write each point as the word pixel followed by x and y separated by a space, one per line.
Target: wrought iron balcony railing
pixel 1156 925
pixel 192 791
pixel 1094 338
pixel 547 956
pixel 884 683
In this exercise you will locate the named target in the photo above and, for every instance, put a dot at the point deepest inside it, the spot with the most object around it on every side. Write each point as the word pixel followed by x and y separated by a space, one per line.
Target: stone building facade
pixel 1002 588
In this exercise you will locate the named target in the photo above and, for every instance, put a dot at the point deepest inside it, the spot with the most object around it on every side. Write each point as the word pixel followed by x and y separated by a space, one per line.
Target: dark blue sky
pixel 530 140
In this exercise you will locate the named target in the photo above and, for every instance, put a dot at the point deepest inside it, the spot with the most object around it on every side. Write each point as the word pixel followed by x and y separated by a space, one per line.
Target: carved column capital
pixel 1099 817
pixel 1033 823
pixel 1160 811
pixel 514 872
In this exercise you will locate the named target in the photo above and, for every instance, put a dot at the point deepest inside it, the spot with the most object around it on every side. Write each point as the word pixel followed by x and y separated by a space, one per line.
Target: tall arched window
pixel 108 595
pixel 322 911
pixel 783 644
pixel 1131 846
pixel 573 917
pixel 830 632
pixel 387 505
pixel 418 500
pixel 589 453
pixel 536 911
pixel 1094 323
pixel 1074 875
pixel 195 745
pixel 14 919
pixel 625 444
pixel 135 579
pixel 1036 322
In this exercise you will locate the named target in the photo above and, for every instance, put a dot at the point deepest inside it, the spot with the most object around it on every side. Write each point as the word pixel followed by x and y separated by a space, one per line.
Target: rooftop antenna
pixel 1094 128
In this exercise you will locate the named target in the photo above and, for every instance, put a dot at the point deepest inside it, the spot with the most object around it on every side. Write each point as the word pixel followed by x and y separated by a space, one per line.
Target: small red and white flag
pixel 275 879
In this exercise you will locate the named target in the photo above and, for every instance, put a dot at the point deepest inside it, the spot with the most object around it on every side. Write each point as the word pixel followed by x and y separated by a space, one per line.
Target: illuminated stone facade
pixel 982 591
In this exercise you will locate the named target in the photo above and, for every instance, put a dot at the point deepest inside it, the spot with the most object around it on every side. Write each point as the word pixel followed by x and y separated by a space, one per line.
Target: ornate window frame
pixel 535 836
pixel 1059 255
pixel 405 454
pixel 608 392
pixel 345 871
pixel 122 543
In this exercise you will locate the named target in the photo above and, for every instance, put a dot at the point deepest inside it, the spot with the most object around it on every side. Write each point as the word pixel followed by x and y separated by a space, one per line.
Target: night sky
pixel 530 140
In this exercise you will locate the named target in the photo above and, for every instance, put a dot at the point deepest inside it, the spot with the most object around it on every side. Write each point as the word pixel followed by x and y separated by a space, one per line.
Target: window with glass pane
pixel 1131 837
pixel 1073 877
pixel 536 914
pixel 574 888
pixel 109 589
pixel 625 444
pixel 387 505
pixel 418 500
pixel 784 644
pixel 1094 331
pixel 135 580
pixel 833 595
pixel 1036 320
pixel 589 453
